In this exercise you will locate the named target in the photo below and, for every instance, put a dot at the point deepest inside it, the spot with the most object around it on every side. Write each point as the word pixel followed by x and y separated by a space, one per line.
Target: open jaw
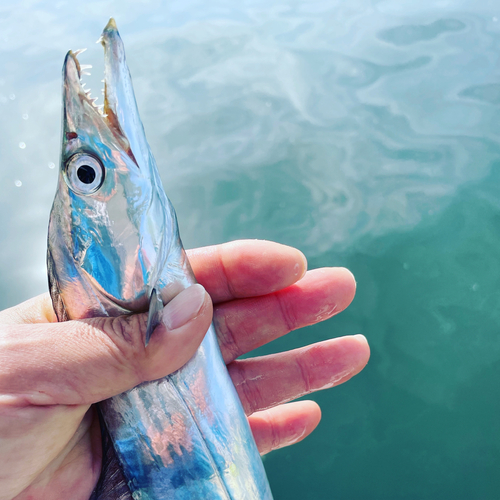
pixel 73 71
pixel 119 111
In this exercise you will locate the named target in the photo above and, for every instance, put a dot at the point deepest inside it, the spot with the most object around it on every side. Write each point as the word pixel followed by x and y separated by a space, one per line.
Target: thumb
pixel 85 361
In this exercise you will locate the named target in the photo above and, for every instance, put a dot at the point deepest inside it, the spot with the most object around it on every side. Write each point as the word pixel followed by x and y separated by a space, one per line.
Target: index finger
pixel 239 269
pixel 246 268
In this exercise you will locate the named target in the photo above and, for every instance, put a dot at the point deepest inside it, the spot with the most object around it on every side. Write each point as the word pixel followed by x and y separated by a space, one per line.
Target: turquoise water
pixel 366 133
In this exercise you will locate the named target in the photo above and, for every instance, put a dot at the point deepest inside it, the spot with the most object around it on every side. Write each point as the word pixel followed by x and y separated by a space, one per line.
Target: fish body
pixel 114 249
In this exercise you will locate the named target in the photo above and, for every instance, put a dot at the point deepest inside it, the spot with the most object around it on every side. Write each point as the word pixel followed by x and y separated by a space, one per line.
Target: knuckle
pixel 274 435
pixel 287 313
pixel 247 388
pixel 226 335
pixel 304 375
pixel 124 340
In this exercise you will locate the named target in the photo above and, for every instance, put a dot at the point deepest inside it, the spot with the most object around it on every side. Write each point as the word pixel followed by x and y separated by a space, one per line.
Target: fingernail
pixel 184 307
pixel 361 338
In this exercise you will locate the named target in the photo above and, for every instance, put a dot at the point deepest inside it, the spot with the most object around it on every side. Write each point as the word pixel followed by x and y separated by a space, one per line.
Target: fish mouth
pixel 119 112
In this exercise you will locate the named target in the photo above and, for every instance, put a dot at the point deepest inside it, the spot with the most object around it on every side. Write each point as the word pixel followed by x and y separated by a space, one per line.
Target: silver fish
pixel 114 249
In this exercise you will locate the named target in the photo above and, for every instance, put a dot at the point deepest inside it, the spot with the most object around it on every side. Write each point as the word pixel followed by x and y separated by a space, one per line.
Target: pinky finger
pixel 284 425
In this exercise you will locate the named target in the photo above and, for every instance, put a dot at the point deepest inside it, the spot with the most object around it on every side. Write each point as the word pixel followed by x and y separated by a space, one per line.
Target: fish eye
pixel 84 173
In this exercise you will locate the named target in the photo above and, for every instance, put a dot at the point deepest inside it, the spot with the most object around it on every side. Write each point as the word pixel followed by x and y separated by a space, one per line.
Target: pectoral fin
pixel 154 316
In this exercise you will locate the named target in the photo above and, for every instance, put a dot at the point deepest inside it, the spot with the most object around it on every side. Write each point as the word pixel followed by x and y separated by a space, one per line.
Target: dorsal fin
pixel 55 292
pixel 112 484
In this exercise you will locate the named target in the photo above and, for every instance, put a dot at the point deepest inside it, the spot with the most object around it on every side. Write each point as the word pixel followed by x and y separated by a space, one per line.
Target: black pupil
pixel 86 174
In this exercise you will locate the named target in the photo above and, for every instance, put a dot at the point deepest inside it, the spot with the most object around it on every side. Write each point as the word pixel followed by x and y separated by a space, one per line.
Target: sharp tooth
pixel 85 66
pixel 100 40
pixel 85 73
pixel 79 51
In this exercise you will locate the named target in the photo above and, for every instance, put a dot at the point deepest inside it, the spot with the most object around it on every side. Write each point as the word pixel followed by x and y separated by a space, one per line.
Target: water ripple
pixel 410 34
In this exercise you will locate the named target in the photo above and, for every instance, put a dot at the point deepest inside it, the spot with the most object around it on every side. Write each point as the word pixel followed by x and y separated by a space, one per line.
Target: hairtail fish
pixel 114 249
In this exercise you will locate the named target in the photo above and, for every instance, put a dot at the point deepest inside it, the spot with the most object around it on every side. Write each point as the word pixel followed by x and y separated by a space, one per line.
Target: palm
pixel 52 448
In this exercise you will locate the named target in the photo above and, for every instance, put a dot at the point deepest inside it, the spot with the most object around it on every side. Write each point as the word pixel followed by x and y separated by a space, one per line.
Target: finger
pixel 82 362
pixel 268 381
pixel 243 325
pixel 38 441
pixel 36 310
pixel 284 425
pixel 246 268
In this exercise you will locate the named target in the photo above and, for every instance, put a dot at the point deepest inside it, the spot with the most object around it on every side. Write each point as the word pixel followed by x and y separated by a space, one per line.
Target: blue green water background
pixel 366 133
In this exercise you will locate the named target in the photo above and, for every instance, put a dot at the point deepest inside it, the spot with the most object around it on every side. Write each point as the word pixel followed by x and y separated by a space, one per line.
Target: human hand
pixel 261 291
pixel 51 374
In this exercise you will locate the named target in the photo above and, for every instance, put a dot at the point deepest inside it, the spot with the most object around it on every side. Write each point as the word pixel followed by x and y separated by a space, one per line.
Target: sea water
pixel 366 133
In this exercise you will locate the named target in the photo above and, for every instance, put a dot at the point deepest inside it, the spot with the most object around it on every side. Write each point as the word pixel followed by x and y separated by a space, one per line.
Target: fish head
pixel 112 228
